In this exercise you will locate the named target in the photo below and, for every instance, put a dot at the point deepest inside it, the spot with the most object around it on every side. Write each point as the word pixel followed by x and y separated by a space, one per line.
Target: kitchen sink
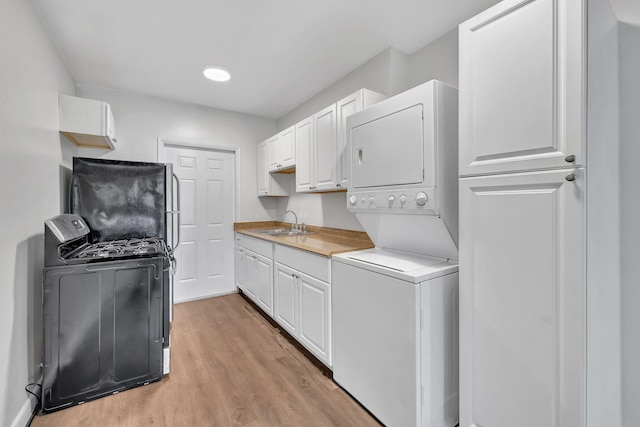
pixel 284 232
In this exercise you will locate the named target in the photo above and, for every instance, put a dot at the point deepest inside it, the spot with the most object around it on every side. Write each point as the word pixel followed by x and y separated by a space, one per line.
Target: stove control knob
pixel 403 199
pixel 391 199
pixel 353 200
pixel 371 200
pixel 422 198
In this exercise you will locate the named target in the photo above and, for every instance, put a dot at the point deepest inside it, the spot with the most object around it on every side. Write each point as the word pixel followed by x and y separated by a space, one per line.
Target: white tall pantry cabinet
pixel 523 213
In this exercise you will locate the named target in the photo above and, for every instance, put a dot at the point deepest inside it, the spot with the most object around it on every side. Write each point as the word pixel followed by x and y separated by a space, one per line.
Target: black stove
pixel 106 312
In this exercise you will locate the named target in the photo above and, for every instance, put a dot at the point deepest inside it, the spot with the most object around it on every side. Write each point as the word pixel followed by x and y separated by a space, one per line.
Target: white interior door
pixel 205 257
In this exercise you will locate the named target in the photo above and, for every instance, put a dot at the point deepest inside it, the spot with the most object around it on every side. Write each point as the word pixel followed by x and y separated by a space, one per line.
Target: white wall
pixel 141 120
pixel 603 218
pixel 374 74
pixel 33 158
pixel 437 60
pixel 390 72
pixel 630 207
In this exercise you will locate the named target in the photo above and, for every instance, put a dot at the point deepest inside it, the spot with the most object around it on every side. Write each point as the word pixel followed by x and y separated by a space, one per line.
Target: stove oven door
pixel 103 329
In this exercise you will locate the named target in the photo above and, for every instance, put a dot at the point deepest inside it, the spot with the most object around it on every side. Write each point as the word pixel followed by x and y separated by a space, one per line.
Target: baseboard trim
pixel 28 410
pixel 219 294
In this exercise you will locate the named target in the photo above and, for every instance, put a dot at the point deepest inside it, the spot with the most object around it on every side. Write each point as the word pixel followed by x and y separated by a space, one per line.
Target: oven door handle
pixel 176 213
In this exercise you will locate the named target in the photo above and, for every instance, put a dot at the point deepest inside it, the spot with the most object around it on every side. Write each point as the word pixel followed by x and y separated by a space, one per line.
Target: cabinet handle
pixel 570 158
pixel 570 177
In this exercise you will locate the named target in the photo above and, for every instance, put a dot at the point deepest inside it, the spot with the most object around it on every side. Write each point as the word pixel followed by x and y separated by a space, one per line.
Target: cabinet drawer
pixel 305 262
pixel 258 246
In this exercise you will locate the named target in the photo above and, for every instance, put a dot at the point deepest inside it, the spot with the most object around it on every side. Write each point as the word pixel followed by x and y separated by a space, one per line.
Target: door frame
pixel 199 145
pixel 162 143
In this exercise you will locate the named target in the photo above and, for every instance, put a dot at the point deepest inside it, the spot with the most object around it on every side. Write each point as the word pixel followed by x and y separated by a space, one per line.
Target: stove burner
pixel 123 248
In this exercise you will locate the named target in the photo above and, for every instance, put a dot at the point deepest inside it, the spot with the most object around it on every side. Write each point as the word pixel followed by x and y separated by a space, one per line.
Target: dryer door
pixel 389 150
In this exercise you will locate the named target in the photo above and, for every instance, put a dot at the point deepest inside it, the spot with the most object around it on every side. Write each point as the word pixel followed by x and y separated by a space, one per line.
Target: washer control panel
pixel 415 200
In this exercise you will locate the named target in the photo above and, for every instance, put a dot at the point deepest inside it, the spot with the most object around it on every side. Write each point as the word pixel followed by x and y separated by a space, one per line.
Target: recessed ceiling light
pixel 217 74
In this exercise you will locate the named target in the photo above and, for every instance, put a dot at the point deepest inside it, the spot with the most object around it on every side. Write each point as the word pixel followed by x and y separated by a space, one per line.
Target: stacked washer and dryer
pixel 394 307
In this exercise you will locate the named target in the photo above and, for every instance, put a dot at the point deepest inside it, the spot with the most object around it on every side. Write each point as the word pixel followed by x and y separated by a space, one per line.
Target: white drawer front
pixel 258 246
pixel 313 265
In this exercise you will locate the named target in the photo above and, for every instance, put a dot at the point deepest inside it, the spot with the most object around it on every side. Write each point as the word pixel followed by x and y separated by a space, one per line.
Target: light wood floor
pixel 229 367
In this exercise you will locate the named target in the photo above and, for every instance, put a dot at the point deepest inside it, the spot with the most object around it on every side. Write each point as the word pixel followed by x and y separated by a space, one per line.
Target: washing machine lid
pixel 401 265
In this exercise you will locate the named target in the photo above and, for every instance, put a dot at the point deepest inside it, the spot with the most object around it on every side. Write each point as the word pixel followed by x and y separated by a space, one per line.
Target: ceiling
pixel 280 52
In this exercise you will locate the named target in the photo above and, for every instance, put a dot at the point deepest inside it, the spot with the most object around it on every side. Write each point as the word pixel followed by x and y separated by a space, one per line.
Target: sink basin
pixel 284 232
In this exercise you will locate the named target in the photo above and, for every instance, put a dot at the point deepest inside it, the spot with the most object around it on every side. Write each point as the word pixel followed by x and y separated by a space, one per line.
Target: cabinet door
pixel 522 298
pixel 286 299
pixel 287 148
pixel 249 275
pixel 264 283
pixel 521 87
pixel 239 268
pixel 261 169
pixel 304 166
pixel 315 323
pixel 345 108
pixel 325 153
pixel 268 184
pixel 273 154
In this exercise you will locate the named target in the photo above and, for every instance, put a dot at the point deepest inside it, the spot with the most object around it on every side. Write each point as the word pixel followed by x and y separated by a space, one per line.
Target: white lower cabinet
pixel 249 274
pixel 264 283
pixel 522 299
pixel 286 298
pixel 239 264
pixel 254 270
pixel 303 301
pixel 290 285
pixel 315 315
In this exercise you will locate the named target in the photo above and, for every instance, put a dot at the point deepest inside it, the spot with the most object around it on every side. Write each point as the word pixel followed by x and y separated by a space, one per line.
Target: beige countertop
pixel 325 241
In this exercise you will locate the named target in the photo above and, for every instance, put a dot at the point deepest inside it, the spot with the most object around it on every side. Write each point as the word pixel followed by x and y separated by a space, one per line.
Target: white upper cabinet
pixel 269 184
pixel 344 108
pixel 86 122
pixel 282 150
pixel 521 87
pixel 316 151
pixel 325 153
pixel 304 168
pixel 322 160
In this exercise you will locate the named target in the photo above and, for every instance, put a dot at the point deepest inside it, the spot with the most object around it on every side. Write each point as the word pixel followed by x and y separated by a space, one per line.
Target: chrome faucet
pixel 293 227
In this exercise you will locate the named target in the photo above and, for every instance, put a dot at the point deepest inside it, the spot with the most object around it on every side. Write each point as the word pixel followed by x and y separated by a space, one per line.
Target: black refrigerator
pixel 106 281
